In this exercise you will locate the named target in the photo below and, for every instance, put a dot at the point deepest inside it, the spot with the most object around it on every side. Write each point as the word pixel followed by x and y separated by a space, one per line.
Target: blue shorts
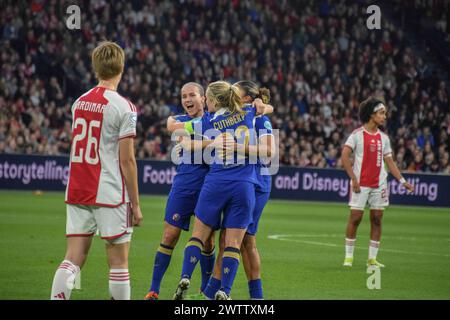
pixel 180 207
pixel 261 199
pixel 236 199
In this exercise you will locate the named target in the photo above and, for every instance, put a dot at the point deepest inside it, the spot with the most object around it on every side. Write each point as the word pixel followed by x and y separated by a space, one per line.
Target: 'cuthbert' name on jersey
pixel 90 106
pixel 229 121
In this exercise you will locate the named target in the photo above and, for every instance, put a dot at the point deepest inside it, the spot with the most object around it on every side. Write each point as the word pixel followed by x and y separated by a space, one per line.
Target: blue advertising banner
pixel 334 185
pixel 155 177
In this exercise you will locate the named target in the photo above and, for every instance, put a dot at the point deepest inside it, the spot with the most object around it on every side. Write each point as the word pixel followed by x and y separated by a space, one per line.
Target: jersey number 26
pixel 90 145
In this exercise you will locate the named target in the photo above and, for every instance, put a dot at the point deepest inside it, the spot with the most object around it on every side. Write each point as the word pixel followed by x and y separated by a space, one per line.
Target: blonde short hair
pixel 108 60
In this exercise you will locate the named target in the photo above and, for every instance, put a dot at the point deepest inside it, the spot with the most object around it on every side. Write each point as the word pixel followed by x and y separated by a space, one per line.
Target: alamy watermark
pixel 74 19
pixel 211 147
pixel 374 280
pixel 374 20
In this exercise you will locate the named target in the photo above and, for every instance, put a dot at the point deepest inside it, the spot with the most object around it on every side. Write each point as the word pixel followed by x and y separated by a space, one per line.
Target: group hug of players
pixel 226 192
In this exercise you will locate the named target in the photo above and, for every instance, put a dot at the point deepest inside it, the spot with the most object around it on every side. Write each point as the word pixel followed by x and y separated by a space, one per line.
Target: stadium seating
pixel 318 59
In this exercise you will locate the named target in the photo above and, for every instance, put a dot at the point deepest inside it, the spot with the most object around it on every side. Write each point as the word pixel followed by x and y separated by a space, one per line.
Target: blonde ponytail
pixel 225 95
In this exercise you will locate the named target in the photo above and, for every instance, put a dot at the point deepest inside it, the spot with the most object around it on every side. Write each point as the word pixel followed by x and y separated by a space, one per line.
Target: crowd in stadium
pixel 318 60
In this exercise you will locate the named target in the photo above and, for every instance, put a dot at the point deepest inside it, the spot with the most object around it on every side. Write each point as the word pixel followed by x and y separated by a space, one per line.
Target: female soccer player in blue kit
pixel 265 149
pixel 183 199
pixel 227 187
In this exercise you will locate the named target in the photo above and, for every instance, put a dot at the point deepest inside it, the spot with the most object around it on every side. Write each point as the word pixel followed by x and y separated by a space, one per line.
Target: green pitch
pixel 301 246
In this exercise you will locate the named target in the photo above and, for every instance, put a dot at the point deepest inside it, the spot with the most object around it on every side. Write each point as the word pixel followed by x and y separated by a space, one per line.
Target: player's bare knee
pixel 76 259
pixel 170 237
pixel 356 221
pixel 222 241
pixel 209 244
pixel 232 242
pixel 376 221
pixel 118 261
pixel 249 243
pixel 118 253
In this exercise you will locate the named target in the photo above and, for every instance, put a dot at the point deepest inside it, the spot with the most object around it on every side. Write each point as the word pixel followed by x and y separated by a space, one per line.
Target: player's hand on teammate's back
pixel 355 186
pixel 259 105
pixel 137 215
pixel 185 143
pixel 225 145
pixel 178 148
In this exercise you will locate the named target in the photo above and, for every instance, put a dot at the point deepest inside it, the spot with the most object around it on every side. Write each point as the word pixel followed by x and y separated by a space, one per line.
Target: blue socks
pixel 162 261
pixel 230 264
pixel 212 287
pixel 192 254
pixel 255 289
pixel 207 265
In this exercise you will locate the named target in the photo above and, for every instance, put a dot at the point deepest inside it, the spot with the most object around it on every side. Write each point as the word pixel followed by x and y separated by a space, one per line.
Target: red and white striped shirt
pixel 101 117
pixel 369 151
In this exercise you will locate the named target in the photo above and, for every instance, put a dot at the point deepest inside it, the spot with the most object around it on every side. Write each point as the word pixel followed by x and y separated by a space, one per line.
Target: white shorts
pixel 114 224
pixel 378 198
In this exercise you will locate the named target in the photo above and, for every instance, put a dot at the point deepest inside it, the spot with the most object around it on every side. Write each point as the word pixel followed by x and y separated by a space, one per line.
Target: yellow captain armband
pixel 189 127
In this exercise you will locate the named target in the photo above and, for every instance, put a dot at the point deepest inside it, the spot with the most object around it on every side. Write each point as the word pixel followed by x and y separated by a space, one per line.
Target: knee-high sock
pixel 212 287
pixel 207 265
pixel 230 264
pixel 162 261
pixel 64 280
pixel 192 254
pixel 119 284
pixel 255 289
pixel 373 249
pixel 349 247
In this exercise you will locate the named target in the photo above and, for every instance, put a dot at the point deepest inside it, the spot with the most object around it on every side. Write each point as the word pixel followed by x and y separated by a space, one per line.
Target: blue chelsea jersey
pixel 263 127
pixel 241 126
pixel 189 175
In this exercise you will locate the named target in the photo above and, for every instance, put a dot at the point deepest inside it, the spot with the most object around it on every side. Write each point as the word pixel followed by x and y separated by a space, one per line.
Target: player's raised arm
pixel 265 147
pixel 261 107
pixel 173 125
pixel 194 145
pixel 129 170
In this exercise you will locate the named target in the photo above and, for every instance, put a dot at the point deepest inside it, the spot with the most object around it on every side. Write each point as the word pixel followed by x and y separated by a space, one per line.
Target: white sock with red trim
pixel 119 284
pixel 349 247
pixel 64 280
pixel 373 249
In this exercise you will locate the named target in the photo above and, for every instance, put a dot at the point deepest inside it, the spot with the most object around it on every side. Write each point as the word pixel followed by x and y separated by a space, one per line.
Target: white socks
pixel 373 249
pixel 64 280
pixel 119 284
pixel 349 247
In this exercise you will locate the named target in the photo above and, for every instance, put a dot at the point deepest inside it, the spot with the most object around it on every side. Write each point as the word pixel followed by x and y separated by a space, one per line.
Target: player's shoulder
pixel 84 95
pixel 263 118
pixel 248 107
pixel 88 95
pixel 383 134
pixel 182 117
pixel 263 122
pixel 358 130
pixel 121 103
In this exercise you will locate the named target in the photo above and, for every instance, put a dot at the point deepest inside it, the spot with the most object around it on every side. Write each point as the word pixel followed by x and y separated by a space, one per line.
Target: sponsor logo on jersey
pixel 379 153
pixel 267 125
pixel 132 119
